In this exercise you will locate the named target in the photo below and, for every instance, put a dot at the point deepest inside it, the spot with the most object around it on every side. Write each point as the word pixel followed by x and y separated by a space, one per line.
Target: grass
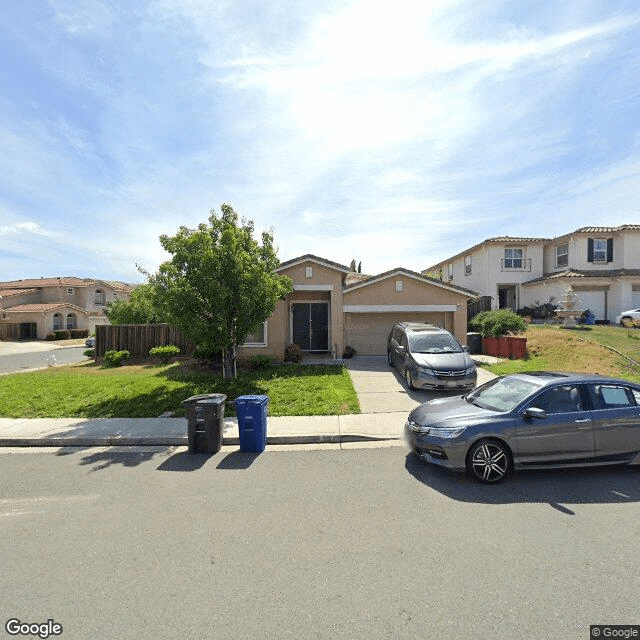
pixel 142 391
pixel 551 348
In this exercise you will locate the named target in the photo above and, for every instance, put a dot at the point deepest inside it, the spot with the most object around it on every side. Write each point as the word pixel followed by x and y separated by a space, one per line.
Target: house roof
pixel 67 281
pixel 412 274
pixel 586 273
pixel 6 293
pixel 41 308
pixel 310 257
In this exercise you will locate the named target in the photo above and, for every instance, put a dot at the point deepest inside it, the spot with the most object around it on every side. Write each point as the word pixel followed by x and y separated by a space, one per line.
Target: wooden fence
pixel 477 306
pixel 138 339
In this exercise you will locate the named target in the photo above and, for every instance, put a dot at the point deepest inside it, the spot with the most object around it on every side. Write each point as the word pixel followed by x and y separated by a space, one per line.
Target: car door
pixel 616 419
pixel 565 434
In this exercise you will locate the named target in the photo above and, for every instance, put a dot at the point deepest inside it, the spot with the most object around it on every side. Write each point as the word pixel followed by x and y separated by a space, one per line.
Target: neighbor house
pixel 331 307
pixel 34 308
pixel 602 264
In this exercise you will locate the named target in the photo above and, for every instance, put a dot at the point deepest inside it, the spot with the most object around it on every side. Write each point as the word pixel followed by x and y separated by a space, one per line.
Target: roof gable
pixel 311 258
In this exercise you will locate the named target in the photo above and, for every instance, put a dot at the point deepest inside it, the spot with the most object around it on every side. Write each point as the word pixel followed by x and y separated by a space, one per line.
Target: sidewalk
pixel 88 432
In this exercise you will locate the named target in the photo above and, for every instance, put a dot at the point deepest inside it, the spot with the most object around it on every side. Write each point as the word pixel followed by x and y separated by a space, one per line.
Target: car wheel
pixel 489 461
pixel 626 321
pixel 409 377
pixel 389 361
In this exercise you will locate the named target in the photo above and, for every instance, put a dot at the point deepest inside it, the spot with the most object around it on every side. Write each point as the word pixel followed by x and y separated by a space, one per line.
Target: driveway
pixel 382 389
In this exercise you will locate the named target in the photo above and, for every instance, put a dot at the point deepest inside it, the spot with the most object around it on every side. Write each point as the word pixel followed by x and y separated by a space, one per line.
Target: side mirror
pixel 401 350
pixel 534 412
pixel 465 348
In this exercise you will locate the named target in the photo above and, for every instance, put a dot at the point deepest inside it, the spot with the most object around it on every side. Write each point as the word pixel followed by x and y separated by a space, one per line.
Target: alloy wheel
pixel 488 462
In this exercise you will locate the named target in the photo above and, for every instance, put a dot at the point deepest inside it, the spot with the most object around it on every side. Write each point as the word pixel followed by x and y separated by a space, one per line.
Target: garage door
pixel 594 301
pixel 367 332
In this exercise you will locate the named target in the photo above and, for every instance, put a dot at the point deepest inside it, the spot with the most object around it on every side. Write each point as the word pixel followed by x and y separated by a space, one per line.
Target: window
pixel 599 250
pixel 563 399
pixel 57 322
pixel 609 396
pixel 467 265
pixel 451 271
pixel 257 339
pixel 513 258
pixel 308 272
pixel 70 291
pixel 562 254
pixel 99 298
pixel 398 285
pixel 71 321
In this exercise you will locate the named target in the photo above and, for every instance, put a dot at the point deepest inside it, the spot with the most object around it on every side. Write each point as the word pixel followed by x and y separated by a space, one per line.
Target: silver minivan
pixel 430 357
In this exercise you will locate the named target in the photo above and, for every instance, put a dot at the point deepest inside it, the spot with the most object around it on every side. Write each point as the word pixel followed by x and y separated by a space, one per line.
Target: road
pixel 31 358
pixel 357 543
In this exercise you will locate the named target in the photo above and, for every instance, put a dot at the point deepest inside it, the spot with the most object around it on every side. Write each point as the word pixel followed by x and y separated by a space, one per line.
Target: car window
pixel 636 395
pixel 434 343
pixel 605 396
pixel 562 399
pixel 501 394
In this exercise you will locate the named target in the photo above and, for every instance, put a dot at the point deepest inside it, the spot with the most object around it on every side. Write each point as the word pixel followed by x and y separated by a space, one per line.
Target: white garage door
pixel 594 301
pixel 367 332
pixel 635 299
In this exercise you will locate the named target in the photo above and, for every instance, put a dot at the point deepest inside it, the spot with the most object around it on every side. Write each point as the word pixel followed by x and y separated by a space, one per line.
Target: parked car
pixel 430 357
pixel 90 342
pixel 537 420
pixel 628 317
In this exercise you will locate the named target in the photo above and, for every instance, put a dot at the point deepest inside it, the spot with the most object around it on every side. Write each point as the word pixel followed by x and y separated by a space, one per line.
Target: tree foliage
pixel 141 308
pixel 221 284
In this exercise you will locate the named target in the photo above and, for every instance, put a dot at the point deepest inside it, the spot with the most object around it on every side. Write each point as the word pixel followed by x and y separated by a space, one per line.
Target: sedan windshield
pixel 430 343
pixel 502 394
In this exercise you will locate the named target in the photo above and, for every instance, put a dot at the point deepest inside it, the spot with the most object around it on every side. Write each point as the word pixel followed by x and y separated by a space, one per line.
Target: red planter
pixel 504 346
pixel 518 348
pixel 490 346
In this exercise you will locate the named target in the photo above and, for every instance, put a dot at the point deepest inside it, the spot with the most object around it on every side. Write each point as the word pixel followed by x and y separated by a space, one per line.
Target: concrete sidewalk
pixel 87 432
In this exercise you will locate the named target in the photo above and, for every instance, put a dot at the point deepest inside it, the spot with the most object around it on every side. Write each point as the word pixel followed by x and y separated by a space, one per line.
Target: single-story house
pixel 331 307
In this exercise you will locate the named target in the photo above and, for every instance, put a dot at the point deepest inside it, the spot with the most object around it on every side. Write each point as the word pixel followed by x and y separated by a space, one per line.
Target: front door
pixel 310 325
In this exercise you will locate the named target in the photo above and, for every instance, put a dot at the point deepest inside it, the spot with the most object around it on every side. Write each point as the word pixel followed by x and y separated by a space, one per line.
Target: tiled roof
pixel 62 282
pixel 622 227
pixel 5 293
pixel 309 256
pixel 586 273
pixel 40 308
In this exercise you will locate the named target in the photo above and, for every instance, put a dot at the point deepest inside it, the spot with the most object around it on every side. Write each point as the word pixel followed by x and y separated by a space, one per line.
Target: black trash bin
pixel 252 422
pixel 205 417
pixel 474 342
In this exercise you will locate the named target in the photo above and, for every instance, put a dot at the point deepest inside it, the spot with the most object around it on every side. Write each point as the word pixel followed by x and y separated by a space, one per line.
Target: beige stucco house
pixel 33 308
pixel 602 264
pixel 332 307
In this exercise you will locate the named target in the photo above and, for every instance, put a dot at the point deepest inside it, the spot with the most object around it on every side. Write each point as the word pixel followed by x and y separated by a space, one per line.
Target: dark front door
pixel 27 331
pixel 310 321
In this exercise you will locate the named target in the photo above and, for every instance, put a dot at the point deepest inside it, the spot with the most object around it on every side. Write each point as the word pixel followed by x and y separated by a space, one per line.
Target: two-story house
pixel 602 264
pixel 32 308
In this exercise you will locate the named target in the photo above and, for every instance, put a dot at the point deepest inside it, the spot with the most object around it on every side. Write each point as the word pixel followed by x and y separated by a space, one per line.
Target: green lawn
pixel 551 348
pixel 140 391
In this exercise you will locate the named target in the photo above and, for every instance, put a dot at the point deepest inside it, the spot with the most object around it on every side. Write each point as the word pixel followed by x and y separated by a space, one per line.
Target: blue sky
pixel 394 133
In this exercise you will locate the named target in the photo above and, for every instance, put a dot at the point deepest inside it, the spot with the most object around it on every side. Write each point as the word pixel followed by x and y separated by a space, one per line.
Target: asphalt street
pixel 330 543
pixel 15 362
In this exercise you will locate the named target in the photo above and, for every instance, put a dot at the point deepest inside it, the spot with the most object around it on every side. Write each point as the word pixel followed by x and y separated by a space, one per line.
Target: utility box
pixel 205 417
pixel 252 422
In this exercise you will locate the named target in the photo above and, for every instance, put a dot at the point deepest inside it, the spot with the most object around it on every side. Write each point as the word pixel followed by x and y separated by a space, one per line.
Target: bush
pixel 51 336
pixel 166 353
pixel 208 356
pixel 497 323
pixel 349 352
pixel 79 333
pixel 90 353
pixel 63 334
pixel 116 358
pixel 539 311
pixel 257 363
pixel 293 353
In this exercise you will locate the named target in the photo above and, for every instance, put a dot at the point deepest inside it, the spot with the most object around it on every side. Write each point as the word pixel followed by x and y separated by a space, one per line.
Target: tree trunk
pixel 229 363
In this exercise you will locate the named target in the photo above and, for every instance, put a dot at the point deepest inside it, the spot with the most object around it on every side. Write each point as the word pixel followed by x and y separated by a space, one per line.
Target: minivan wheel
pixel 488 461
pixel 409 377
pixel 389 362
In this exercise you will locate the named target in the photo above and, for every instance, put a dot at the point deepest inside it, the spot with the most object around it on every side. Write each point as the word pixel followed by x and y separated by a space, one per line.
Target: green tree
pixel 221 284
pixel 139 309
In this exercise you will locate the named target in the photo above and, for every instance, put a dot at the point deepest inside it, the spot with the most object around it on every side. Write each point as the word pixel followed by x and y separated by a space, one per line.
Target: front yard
pixel 145 391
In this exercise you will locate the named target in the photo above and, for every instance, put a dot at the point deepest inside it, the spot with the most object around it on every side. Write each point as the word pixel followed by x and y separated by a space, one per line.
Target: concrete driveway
pixel 382 389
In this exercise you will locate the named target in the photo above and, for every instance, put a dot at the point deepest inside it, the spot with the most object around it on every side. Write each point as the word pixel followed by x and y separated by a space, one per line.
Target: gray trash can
pixel 474 342
pixel 205 417
pixel 252 422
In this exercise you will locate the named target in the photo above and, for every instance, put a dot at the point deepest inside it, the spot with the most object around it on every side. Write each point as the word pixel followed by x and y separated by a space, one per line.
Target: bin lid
pixel 252 399
pixel 205 397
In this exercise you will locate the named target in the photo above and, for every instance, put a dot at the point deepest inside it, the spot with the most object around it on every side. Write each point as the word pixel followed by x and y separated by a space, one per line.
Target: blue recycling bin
pixel 251 412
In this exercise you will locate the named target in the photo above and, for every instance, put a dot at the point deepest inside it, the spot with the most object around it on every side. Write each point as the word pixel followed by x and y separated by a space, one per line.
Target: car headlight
pixel 426 370
pixel 470 370
pixel 438 432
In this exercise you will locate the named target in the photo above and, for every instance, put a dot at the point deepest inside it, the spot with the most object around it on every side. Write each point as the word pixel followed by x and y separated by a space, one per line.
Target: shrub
pixel 293 353
pixel 51 336
pixel 497 323
pixel 115 358
pixel 349 352
pixel 63 334
pixel 260 362
pixel 206 355
pixel 539 311
pixel 166 353
pixel 79 333
pixel 90 353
